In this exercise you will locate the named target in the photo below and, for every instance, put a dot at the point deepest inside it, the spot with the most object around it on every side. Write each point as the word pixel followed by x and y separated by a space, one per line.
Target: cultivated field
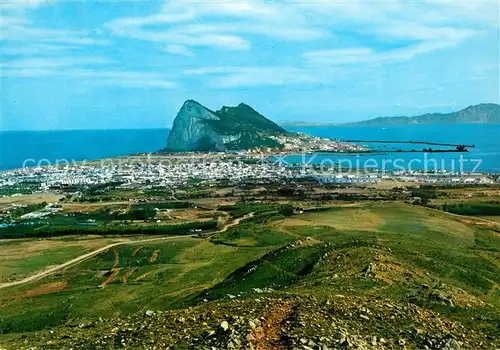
pixel 20 258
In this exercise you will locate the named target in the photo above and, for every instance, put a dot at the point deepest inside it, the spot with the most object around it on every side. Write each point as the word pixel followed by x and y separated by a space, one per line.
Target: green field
pixel 122 280
pixel 21 257
pixel 403 254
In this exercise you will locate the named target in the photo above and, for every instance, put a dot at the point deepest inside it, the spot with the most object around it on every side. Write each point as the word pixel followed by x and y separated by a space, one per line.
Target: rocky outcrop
pixel 197 128
pixel 190 131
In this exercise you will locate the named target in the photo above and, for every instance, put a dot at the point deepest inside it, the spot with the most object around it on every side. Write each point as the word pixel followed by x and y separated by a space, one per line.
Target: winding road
pixel 79 259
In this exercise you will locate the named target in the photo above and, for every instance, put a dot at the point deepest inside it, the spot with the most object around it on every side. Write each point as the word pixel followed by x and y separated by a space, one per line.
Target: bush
pixel 492 209
pixel 27 209
pixel 239 210
pixel 51 231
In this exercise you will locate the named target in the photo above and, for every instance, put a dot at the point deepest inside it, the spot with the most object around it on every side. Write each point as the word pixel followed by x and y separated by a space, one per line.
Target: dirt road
pixel 51 270
pixel 235 222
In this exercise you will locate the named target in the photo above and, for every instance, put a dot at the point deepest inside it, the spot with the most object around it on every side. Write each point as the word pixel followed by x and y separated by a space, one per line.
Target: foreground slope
pixel 367 276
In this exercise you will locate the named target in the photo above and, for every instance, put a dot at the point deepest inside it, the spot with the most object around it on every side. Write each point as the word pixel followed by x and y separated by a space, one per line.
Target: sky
pixel 131 64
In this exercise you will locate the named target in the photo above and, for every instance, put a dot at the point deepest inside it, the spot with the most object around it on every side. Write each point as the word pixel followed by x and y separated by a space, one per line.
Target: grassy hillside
pixel 251 128
pixel 243 118
pixel 369 275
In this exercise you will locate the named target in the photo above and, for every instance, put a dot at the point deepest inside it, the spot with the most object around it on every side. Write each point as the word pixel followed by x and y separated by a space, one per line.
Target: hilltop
pixel 197 128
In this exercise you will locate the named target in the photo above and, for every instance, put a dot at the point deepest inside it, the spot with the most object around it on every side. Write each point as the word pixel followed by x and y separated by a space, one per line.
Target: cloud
pixel 23 31
pixel 366 55
pixel 129 79
pixel 482 13
pixel 16 27
pixel 428 39
pixel 22 4
pixel 179 50
pixel 226 77
pixel 236 25
pixel 416 31
pixel 56 62
pixel 31 51
pixel 85 70
pixel 136 29
pixel 370 14
pixel 292 42
pixel 266 29
pixel 37 49
pixel 217 24
pixel 94 77
pixel 338 33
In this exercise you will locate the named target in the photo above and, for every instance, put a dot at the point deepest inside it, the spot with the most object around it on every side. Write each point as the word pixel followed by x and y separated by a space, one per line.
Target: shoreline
pixel 155 159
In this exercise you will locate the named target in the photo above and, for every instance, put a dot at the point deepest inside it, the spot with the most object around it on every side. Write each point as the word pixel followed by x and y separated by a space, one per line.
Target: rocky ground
pixel 271 320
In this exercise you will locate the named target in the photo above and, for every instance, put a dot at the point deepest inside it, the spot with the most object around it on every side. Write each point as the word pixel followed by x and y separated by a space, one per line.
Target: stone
pixel 224 326
pixel 150 313
pixel 452 344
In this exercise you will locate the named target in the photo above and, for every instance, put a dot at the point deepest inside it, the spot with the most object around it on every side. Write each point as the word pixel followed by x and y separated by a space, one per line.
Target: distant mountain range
pixel 197 128
pixel 484 113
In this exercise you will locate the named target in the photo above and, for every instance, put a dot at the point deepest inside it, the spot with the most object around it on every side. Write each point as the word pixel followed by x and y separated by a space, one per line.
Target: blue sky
pixel 131 64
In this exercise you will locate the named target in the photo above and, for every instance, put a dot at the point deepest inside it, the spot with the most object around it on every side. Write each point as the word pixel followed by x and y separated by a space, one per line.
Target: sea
pixel 483 157
pixel 21 148
pixel 28 148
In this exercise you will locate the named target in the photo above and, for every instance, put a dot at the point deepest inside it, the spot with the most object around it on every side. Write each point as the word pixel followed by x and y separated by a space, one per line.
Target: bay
pixel 484 157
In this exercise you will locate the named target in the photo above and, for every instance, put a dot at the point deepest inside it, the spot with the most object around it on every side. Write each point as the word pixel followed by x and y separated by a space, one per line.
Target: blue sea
pixel 48 146
pixel 42 147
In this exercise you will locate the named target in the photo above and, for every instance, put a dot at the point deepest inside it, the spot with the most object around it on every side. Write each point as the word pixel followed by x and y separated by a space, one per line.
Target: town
pixel 301 142
pixel 169 171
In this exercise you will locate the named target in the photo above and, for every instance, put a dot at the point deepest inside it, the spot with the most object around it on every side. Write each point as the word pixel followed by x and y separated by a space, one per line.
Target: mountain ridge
pixel 483 113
